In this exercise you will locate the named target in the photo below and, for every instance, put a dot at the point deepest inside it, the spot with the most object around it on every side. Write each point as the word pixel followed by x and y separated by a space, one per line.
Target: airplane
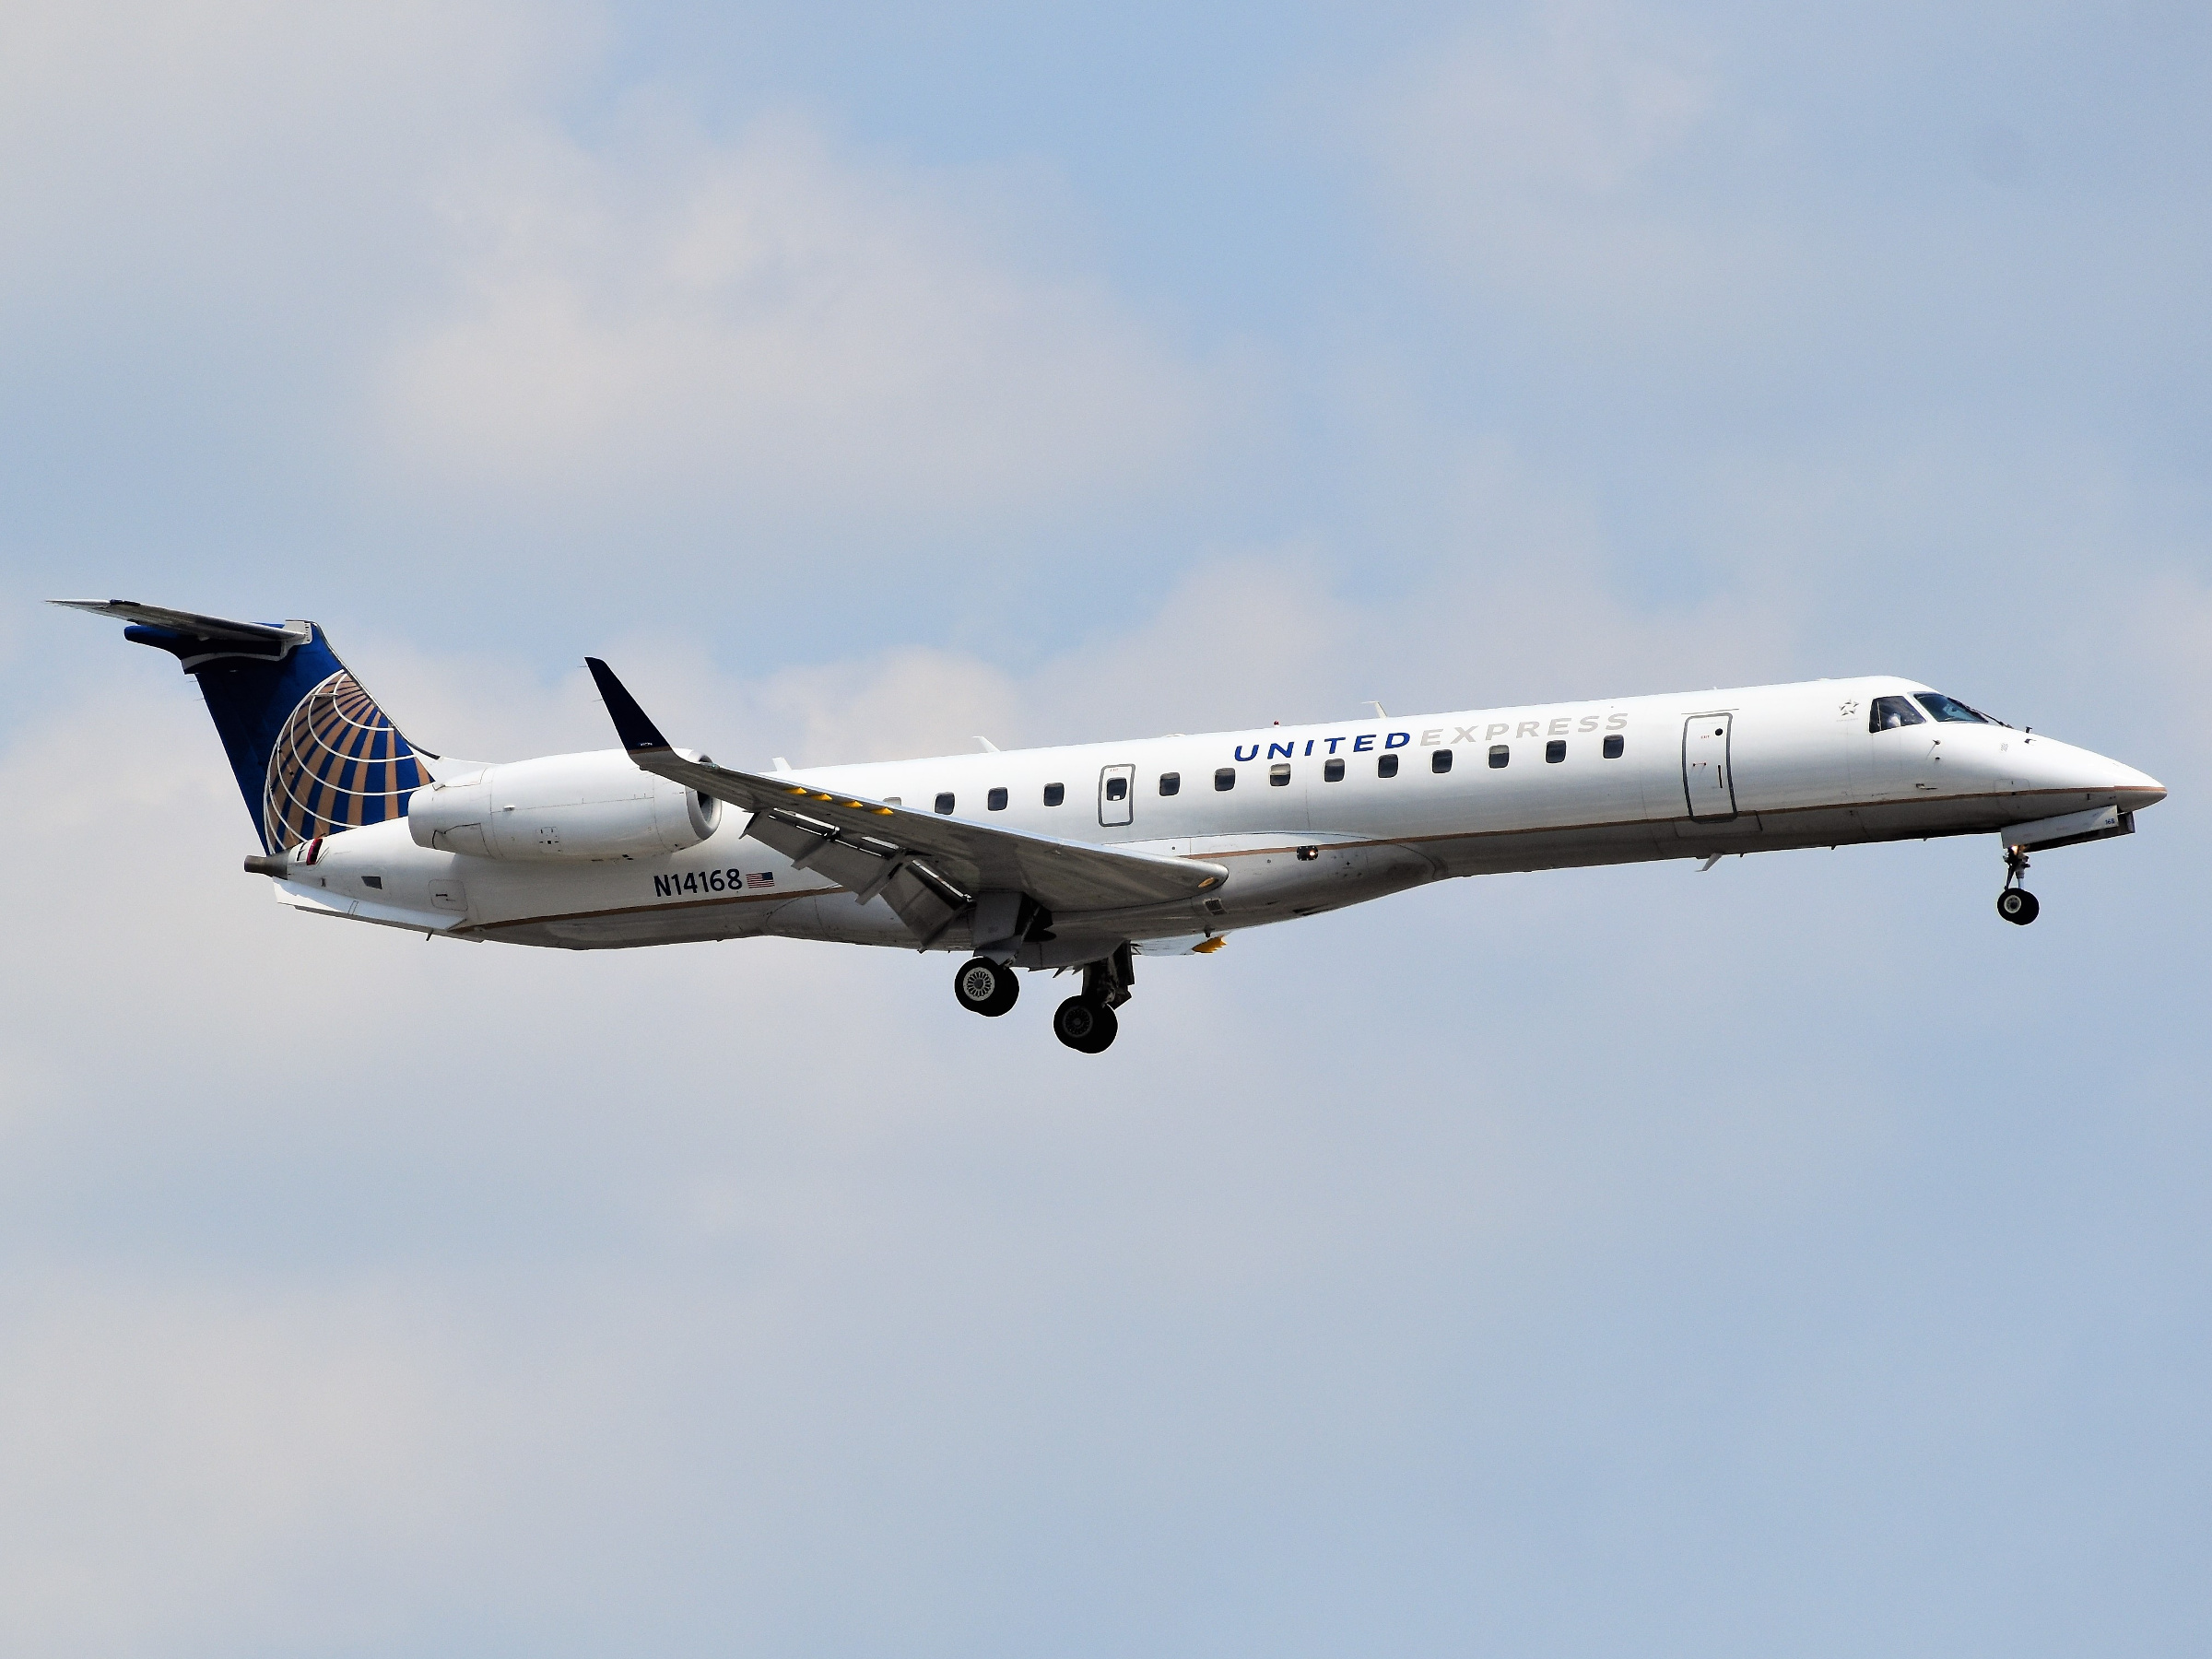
pixel 1081 858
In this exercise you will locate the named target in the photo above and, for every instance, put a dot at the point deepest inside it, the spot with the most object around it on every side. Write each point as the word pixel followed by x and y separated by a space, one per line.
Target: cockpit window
pixel 1889 712
pixel 1950 708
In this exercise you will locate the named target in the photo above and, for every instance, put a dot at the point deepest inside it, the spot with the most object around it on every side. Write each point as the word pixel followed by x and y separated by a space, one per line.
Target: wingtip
pixel 632 724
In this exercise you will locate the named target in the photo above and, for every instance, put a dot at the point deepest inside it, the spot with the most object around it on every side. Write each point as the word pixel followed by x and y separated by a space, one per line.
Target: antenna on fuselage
pixel 1381 712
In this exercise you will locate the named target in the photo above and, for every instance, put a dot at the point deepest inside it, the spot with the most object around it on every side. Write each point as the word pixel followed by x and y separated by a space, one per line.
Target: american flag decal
pixel 765 879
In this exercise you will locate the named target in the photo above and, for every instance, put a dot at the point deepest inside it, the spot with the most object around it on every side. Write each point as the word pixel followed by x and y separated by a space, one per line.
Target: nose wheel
pixel 2015 902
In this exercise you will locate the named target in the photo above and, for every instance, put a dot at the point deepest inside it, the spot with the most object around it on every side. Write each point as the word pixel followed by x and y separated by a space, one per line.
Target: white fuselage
pixel 1695 775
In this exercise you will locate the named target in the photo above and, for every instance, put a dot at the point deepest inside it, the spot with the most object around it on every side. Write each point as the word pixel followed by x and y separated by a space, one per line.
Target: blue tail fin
pixel 313 752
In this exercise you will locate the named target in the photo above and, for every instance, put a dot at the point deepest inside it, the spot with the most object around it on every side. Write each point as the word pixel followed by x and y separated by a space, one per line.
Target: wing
pixel 931 869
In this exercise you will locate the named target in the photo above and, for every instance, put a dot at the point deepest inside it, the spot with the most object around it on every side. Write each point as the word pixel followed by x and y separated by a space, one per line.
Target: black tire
pixel 982 986
pixel 2017 906
pixel 1085 1026
pixel 1110 1027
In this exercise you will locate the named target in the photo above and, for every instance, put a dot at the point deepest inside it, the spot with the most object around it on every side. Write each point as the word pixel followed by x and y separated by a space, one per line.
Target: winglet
pixel 638 733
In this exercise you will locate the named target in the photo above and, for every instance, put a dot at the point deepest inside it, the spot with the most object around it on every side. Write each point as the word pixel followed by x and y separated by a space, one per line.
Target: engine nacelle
pixel 569 807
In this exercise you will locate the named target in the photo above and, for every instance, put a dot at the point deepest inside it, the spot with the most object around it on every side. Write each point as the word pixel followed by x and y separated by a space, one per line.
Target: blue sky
pixel 1788 1257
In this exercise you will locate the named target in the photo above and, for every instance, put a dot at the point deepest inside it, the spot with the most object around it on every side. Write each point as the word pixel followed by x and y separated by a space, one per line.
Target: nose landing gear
pixel 2015 903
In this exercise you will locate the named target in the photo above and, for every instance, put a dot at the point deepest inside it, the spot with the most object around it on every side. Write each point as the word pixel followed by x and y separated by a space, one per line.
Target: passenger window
pixel 1278 776
pixel 1171 783
pixel 1614 745
pixel 1890 713
pixel 1055 793
pixel 945 803
pixel 996 800
pixel 1950 708
pixel 1439 760
pixel 1387 766
pixel 1331 771
pixel 1225 778
pixel 1117 788
pixel 1499 755
pixel 1555 751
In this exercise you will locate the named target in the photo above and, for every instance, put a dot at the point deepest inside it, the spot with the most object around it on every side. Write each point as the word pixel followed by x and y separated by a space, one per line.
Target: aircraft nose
pixel 2138 789
pixel 2064 770
pixel 2130 789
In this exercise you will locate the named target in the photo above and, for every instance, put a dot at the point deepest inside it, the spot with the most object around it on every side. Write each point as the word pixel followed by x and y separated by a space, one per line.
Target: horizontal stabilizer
pixel 190 623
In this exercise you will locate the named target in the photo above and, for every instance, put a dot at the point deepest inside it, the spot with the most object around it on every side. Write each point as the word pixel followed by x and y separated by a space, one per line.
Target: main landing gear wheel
pixel 983 987
pixel 1085 1026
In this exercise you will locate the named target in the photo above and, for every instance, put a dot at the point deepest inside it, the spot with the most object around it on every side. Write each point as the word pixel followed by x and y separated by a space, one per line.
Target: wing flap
pixel 924 900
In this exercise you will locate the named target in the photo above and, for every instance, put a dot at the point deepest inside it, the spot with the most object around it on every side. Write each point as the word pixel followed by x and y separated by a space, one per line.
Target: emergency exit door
pixel 1116 784
pixel 1707 778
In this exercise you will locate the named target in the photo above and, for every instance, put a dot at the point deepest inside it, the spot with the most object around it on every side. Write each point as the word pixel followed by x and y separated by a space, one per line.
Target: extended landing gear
pixel 985 987
pixel 1087 1022
pixel 2015 903
pixel 1085 1026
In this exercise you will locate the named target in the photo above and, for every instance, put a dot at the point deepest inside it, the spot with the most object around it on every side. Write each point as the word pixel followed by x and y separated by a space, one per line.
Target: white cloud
pixel 1577 103
pixel 163 153
pixel 766 324
pixel 1516 606
pixel 382 227
pixel 1532 156
pixel 177 1455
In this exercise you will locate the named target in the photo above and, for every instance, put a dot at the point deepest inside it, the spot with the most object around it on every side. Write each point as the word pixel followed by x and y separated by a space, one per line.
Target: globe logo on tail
pixel 338 763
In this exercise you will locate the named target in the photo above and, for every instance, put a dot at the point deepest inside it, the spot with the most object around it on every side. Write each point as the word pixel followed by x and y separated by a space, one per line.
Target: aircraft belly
pixel 1500 851
pixel 839 918
pixel 623 929
pixel 1273 882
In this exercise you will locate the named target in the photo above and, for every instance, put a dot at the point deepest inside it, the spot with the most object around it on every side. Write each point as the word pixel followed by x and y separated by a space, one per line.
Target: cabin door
pixel 1116 784
pixel 1707 780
